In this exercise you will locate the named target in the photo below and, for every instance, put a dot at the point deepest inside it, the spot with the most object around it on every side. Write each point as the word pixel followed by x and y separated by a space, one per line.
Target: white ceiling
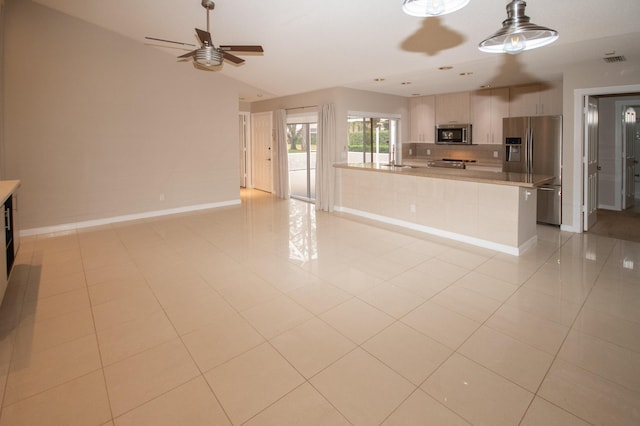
pixel 312 45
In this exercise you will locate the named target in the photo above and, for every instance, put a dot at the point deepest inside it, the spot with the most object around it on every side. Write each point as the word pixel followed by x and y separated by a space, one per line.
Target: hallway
pixel 623 225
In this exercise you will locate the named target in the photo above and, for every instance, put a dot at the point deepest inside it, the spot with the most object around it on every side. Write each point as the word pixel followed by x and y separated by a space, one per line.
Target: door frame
pixel 590 162
pixel 245 149
pixel 579 148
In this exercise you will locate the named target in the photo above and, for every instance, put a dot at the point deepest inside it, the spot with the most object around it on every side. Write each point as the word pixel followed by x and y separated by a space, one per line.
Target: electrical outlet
pixel 428 152
pixel 412 208
pixel 162 197
pixel 410 151
pixel 495 154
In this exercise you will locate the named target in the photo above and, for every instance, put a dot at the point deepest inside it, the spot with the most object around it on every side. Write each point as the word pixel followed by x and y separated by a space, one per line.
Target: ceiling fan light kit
pixel 424 8
pixel 518 33
pixel 209 56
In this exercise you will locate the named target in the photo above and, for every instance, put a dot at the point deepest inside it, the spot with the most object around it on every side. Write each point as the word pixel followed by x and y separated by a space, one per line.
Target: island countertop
pixel 8 187
pixel 498 178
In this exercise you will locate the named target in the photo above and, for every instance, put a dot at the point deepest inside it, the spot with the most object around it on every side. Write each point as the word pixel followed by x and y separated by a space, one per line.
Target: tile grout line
pixel 555 357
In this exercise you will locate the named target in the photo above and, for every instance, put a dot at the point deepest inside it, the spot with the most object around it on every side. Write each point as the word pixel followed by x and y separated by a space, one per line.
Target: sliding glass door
pixel 372 139
pixel 302 132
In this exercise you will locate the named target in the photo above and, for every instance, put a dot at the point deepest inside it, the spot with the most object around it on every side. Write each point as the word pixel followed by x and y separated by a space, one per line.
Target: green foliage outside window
pixel 356 135
pixel 297 136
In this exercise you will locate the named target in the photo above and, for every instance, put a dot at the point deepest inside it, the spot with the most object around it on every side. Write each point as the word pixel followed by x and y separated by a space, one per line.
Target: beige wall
pixel 99 126
pixel 345 101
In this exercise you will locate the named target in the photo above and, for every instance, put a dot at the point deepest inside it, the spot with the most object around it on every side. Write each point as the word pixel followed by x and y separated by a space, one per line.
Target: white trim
pixel 608 207
pixel 568 228
pixel 374 114
pixel 125 218
pixel 578 148
pixel 503 248
pixel 248 182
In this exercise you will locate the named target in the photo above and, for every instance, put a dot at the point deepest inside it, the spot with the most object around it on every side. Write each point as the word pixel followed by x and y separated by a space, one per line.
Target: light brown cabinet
pixel 453 108
pixel 536 99
pixel 488 108
pixel 423 119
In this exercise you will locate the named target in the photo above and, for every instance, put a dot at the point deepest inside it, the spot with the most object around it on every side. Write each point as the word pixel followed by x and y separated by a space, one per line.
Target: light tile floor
pixel 269 313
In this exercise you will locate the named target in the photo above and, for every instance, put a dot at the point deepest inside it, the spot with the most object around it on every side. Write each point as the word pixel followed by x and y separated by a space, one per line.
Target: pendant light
pixel 423 8
pixel 517 33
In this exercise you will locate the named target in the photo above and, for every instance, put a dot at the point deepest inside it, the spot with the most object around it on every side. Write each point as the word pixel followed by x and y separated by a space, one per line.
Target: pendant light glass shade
pixel 423 8
pixel 517 33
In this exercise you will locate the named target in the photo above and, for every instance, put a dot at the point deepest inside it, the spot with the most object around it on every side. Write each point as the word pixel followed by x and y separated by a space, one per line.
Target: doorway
pixel 582 149
pixel 302 147
pixel 261 141
pixel 629 156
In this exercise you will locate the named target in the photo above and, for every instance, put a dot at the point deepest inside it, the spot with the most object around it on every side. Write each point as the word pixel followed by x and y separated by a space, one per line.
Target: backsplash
pixel 428 151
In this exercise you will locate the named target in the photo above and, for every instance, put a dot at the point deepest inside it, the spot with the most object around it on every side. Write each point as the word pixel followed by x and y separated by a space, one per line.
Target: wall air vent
pixel 612 59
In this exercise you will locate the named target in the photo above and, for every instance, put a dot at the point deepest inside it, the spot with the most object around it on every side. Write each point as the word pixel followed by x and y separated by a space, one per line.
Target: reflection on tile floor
pixel 269 313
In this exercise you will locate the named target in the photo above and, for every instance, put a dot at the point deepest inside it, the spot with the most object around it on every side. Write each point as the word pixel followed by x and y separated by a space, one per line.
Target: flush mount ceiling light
pixel 423 8
pixel 517 33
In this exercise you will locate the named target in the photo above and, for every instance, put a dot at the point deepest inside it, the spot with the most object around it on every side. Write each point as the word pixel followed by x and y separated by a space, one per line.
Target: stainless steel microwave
pixel 453 134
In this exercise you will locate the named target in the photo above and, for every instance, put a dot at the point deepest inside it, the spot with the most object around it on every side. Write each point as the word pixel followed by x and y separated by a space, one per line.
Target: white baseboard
pixel 124 218
pixel 568 228
pixel 503 248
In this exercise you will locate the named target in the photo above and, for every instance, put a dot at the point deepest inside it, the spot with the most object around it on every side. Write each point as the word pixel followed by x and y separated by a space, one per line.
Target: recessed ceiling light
pixel 259 95
pixel 466 73
pixel 485 86
pixel 415 94
pixel 445 68
pixel 379 79
pixel 405 83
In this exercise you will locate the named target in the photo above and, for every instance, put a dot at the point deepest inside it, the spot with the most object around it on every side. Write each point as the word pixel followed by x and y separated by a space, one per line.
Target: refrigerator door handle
pixel 530 150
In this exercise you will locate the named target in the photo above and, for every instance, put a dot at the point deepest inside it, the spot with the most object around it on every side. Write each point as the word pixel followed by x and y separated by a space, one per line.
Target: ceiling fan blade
pixel 232 58
pixel 188 55
pixel 170 41
pixel 245 48
pixel 204 36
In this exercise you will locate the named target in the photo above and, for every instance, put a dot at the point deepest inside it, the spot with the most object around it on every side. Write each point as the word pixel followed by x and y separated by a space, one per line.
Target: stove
pixel 451 163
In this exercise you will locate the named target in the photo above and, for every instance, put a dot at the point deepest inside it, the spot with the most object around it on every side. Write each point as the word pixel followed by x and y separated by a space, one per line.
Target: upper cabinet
pixel 536 99
pixel 484 109
pixel 452 108
pixel 423 119
pixel 488 108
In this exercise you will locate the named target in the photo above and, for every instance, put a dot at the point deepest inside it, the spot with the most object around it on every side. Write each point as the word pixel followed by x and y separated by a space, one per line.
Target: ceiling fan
pixel 208 55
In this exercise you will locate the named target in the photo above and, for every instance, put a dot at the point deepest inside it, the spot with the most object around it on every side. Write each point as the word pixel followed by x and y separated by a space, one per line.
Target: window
pixel 372 139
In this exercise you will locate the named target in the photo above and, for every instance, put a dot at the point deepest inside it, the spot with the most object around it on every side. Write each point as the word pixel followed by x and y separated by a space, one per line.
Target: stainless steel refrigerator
pixel 534 145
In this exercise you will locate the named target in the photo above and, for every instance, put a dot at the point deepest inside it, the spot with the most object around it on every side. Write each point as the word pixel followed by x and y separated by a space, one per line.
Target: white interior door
pixel 590 201
pixel 261 141
pixel 628 157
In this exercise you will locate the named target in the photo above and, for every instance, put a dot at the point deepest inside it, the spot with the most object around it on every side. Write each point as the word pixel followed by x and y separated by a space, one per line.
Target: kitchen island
pixel 10 238
pixel 494 210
